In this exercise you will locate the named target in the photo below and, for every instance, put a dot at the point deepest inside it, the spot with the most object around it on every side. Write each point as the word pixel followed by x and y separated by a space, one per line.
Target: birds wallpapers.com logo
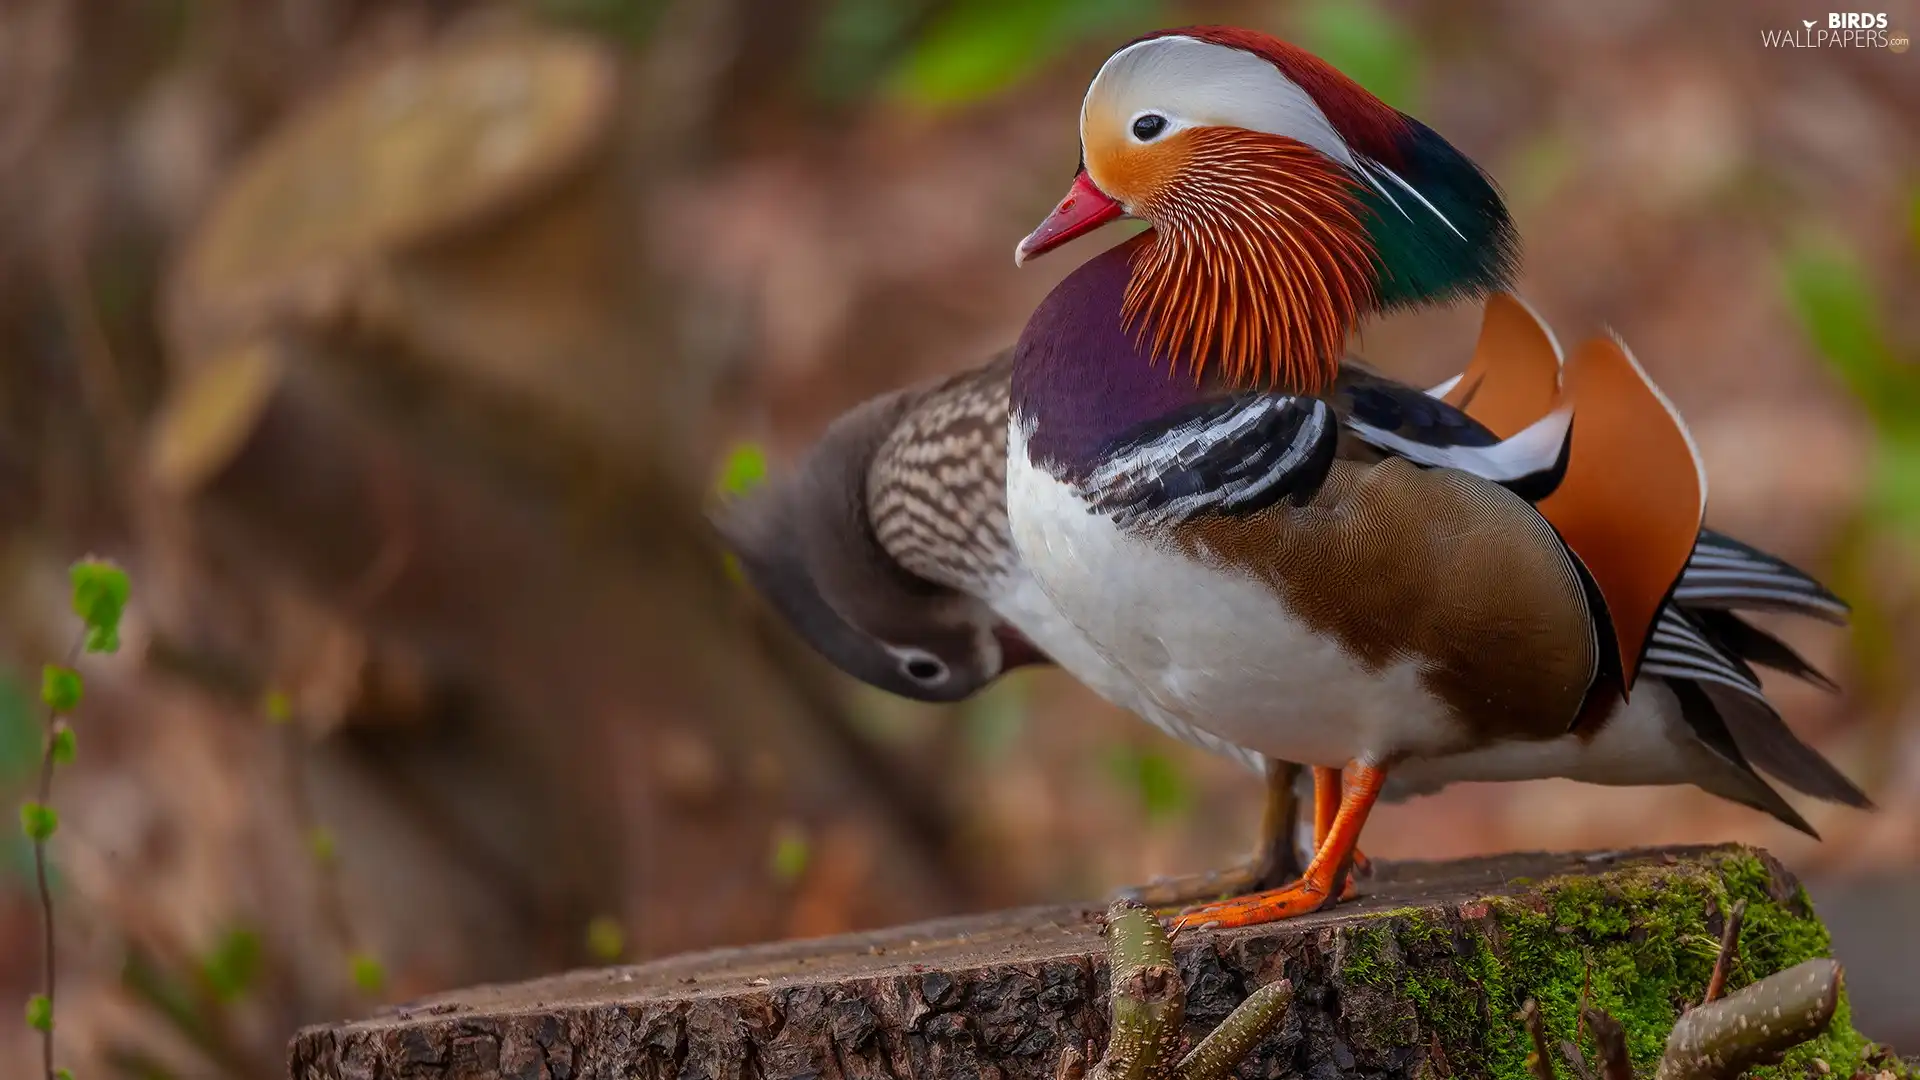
pixel 1840 29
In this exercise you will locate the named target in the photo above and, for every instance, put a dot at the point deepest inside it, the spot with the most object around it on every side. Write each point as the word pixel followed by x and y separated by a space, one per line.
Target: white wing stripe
pixel 1536 449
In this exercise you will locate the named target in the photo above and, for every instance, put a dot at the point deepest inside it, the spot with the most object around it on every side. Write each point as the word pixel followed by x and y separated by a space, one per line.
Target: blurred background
pixel 395 349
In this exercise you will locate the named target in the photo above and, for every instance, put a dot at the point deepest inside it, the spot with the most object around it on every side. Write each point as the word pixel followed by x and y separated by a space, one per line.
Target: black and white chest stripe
pixel 1232 455
pixel 1242 453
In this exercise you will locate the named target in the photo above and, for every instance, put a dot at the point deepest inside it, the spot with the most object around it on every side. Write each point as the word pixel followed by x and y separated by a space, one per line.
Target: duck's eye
pixel 922 667
pixel 1148 126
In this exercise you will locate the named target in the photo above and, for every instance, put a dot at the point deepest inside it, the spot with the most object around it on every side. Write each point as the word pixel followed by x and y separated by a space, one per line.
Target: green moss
pixel 1639 943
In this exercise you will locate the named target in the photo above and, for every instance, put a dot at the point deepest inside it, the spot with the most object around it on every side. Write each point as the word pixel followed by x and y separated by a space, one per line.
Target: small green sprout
pixel 369 974
pixel 233 966
pixel 323 845
pixel 40 1013
pixel 278 707
pixel 606 939
pixel 100 591
pixel 60 688
pixel 744 469
pixel 61 749
pixel 791 852
pixel 39 821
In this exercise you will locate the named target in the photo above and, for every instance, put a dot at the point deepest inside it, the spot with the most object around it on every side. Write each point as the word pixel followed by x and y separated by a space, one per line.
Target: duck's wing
pixel 1234 455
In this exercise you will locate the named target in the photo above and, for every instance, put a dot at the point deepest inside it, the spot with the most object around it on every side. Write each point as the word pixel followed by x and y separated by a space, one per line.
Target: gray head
pixel 807 543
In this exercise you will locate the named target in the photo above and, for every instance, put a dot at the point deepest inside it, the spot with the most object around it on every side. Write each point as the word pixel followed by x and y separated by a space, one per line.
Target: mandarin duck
pixel 1305 559
pixel 889 542
pixel 886 549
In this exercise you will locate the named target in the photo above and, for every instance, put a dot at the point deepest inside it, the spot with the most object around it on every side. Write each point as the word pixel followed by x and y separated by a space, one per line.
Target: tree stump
pixel 1422 976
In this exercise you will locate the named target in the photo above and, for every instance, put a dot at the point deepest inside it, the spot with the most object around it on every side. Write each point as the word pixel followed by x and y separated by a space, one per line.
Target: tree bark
pixel 1422 976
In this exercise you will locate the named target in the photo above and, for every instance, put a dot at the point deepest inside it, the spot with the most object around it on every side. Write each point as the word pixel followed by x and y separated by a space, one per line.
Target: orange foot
pixel 1339 820
pixel 1300 898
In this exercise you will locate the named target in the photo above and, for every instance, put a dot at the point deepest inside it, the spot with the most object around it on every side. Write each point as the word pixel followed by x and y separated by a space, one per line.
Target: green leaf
pixel 1895 495
pixel 606 939
pixel 1370 45
pixel 100 591
pixel 791 852
pixel 38 821
pixel 40 1013
pixel 744 469
pixel 368 973
pixel 1162 786
pixel 60 688
pixel 1837 308
pixel 233 966
pixel 62 746
pixel 63 1074
pixel 977 48
pixel 854 43
pixel 278 706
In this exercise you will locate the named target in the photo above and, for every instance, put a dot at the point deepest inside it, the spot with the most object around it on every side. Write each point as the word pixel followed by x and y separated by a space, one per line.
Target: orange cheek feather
pixel 1259 263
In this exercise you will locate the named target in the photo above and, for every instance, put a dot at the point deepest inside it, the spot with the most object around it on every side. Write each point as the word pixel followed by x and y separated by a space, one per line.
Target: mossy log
pixel 1423 976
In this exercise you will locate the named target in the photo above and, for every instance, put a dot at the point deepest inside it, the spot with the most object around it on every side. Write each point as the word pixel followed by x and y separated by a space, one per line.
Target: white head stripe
pixel 1198 83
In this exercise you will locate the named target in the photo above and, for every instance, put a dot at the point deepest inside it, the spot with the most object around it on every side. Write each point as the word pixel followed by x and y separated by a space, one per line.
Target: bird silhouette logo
pixel 1809 23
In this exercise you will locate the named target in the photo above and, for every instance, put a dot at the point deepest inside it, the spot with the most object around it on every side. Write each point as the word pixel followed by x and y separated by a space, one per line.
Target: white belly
pixel 1208 645
pixel 1645 743
pixel 1021 602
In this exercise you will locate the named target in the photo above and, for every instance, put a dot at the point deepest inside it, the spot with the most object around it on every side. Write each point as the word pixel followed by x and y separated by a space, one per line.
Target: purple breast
pixel 1081 378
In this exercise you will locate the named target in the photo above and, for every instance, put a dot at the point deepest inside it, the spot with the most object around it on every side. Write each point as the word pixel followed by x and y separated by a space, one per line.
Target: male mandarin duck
pixel 1305 559
pixel 888 549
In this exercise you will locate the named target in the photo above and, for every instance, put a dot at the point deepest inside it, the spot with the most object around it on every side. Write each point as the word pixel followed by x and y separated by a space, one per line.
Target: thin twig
pixel 316 838
pixel 45 797
pixel 1538 1063
pixel 1729 951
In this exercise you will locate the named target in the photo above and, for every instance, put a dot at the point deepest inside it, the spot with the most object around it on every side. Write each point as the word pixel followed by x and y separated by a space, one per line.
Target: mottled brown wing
pixel 1514 376
pixel 937 492
pixel 1631 504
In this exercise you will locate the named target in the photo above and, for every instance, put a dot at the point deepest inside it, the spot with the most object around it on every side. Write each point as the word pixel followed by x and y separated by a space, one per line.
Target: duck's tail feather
pixel 1774 749
pixel 1724 574
pixel 1741 783
pixel 1756 646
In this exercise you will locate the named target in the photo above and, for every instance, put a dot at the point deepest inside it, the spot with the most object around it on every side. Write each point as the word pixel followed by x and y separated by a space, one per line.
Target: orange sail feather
pixel 1634 496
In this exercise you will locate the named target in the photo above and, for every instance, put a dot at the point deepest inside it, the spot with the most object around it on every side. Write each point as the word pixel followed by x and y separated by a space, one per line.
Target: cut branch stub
pixel 1149 1002
pixel 1753 1026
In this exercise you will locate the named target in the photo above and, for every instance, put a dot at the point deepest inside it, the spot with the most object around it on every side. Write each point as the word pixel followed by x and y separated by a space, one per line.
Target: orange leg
pixel 1326 803
pixel 1315 890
